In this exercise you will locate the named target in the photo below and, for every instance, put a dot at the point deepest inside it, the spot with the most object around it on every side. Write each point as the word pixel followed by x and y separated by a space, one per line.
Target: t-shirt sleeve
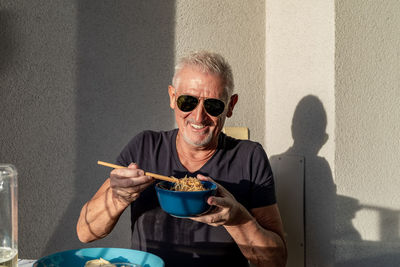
pixel 263 190
pixel 128 153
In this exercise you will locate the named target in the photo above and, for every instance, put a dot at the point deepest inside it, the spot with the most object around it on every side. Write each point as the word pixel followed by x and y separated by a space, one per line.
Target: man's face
pixel 197 127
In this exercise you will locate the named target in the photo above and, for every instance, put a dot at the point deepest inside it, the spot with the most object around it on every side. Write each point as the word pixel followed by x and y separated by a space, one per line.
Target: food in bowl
pixel 188 184
pixel 105 263
pixel 184 203
pixel 97 262
pixel 120 257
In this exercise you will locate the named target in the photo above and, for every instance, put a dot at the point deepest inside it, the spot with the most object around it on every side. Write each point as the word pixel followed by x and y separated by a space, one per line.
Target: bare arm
pixel 260 238
pixel 259 233
pixel 100 214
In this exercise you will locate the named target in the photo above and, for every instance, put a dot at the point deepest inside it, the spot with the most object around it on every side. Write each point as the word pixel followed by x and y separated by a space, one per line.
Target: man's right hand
pixel 128 183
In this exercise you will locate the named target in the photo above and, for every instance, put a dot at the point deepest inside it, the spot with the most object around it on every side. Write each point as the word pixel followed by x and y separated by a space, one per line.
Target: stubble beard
pixel 198 143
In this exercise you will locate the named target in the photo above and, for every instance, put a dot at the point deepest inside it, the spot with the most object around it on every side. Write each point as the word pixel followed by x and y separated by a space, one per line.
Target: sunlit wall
pixel 338 61
pixel 236 29
pixel 80 78
pixel 367 94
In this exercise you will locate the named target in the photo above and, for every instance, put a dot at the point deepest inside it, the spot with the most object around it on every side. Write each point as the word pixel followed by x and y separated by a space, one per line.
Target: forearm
pixel 99 216
pixel 260 246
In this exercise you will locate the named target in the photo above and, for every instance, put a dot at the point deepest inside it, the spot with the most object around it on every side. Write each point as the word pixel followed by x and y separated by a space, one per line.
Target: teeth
pixel 197 126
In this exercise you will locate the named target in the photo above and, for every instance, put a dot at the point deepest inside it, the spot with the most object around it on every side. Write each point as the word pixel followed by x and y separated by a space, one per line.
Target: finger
pixel 203 178
pixel 217 224
pixel 223 192
pixel 130 182
pixel 145 185
pixel 221 202
pixel 131 190
pixel 133 165
pixel 127 172
pixel 217 221
pixel 214 220
pixel 125 191
pixel 206 178
pixel 133 182
pixel 220 189
pixel 140 187
pixel 128 196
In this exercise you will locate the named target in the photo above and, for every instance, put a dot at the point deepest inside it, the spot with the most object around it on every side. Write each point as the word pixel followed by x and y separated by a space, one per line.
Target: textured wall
pixel 78 80
pixel 367 131
pixel 334 69
pixel 236 29
pixel 38 124
pixel 300 112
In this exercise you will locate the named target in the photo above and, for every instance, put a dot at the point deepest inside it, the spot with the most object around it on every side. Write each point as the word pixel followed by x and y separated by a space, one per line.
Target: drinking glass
pixel 8 216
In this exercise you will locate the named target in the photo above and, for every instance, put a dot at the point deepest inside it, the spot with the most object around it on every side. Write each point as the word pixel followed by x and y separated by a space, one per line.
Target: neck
pixel 193 157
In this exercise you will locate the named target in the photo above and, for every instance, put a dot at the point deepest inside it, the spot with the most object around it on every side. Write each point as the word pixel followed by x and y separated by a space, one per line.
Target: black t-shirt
pixel 241 166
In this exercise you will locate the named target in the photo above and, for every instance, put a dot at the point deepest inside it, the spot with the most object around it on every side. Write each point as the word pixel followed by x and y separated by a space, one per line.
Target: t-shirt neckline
pixel 179 163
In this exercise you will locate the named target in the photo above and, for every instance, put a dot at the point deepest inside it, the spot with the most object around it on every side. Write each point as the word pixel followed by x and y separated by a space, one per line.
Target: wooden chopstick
pixel 110 165
pixel 157 176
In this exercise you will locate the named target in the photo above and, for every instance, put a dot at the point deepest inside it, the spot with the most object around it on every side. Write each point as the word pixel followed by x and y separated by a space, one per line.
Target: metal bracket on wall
pixel 289 183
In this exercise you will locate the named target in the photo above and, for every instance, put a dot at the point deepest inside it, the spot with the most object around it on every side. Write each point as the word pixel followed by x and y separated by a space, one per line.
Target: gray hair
pixel 208 62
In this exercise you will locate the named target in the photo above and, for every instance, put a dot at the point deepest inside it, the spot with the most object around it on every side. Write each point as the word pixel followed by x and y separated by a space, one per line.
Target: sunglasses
pixel 213 106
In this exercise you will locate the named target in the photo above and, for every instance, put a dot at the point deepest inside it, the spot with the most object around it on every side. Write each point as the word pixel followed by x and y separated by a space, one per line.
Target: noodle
pixel 188 184
pixel 98 262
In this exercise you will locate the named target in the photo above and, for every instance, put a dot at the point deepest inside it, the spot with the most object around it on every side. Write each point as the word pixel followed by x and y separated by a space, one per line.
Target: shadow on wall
pixel 125 64
pixel 351 250
pixel 308 132
pixel 330 236
pixel 6 46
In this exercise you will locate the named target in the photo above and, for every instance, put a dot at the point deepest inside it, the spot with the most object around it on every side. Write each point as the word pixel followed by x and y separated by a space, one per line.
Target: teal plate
pixel 78 257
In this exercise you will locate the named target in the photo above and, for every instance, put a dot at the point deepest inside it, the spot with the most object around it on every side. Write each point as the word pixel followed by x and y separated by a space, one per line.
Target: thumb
pixel 133 165
pixel 203 178
pixel 221 190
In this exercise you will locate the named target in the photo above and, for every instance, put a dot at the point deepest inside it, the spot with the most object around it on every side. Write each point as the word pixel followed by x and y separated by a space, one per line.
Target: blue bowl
pixel 78 257
pixel 184 204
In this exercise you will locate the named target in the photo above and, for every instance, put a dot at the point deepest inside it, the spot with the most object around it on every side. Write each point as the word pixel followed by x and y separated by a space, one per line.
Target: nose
pixel 199 112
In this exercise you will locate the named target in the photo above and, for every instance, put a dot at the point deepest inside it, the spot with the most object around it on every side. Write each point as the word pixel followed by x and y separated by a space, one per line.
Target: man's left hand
pixel 226 209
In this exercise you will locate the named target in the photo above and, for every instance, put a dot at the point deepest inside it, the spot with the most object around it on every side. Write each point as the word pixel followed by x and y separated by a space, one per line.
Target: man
pixel 244 224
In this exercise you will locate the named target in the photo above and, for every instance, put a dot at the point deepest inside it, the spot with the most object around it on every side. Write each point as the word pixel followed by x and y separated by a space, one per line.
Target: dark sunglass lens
pixel 186 103
pixel 214 107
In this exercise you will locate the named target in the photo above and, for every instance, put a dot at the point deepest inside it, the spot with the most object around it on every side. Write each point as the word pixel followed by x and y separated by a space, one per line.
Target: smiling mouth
pixel 197 127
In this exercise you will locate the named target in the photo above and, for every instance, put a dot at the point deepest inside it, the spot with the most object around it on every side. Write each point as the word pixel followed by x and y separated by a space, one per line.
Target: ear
pixel 232 103
pixel 172 99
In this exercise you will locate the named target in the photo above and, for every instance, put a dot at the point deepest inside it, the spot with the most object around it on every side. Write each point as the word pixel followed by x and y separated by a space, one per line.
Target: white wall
pixel 236 29
pixel 367 128
pixel 38 123
pixel 303 69
pixel 299 62
pixel 340 60
pixel 77 79
pixel 300 111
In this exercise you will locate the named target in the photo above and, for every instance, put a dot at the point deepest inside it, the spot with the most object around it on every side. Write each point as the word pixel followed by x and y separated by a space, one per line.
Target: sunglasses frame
pixel 204 104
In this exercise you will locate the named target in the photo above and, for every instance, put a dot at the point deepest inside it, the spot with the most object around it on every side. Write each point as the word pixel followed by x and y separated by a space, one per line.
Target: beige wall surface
pixel 367 131
pixel 235 29
pixel 300 111
pixel 334 69
pixel 80 78
pixel 314 79
pixel 38 123
pixel 77 79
